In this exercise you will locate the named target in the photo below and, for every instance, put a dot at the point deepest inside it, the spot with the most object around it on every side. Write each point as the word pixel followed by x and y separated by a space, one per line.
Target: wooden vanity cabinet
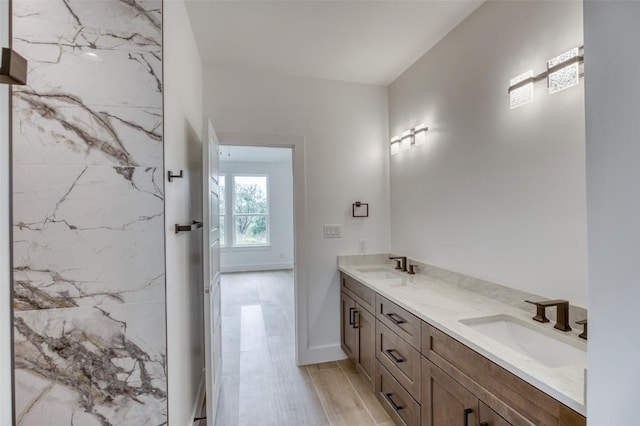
pixel 357 327
pixel 423 376
pixel 502 397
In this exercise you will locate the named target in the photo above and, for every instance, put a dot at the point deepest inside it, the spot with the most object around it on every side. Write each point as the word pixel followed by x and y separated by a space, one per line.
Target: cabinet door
pixel 444 401
pixel 365 324
pixel 347 330
pixel 488 417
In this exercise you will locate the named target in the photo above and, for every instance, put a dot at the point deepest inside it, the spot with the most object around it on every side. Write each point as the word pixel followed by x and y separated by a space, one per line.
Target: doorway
pixel 257 264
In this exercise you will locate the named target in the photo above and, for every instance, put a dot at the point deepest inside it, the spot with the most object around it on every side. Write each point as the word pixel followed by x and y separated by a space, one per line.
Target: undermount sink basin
pixel 530 341
pixel 379 274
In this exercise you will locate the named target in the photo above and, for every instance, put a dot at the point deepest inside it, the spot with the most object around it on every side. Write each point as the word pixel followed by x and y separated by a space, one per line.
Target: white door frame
pixel 300 283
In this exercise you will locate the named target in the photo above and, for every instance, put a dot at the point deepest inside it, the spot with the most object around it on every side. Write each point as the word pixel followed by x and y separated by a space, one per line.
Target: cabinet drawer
pixel 400 358
pixel 518 402
pixel 400 406
pixel 399 320
pixel 360 292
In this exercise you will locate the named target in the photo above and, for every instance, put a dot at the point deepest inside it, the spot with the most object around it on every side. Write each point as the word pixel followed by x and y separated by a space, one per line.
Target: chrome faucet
pixel 562 313
pixel 401 262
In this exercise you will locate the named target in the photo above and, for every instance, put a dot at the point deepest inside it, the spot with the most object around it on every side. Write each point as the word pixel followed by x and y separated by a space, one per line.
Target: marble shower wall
pixel 89 214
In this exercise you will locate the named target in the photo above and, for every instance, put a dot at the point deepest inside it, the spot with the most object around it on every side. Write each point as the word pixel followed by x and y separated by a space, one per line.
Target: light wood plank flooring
pixel 261 384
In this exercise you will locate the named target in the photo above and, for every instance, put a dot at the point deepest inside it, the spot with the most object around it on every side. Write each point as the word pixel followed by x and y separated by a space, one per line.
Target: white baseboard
pixel 256 267
pixel 318 354
pixel 197 407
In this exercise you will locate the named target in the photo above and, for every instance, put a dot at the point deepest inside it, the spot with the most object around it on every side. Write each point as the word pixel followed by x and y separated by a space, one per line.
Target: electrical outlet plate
pixel 332 231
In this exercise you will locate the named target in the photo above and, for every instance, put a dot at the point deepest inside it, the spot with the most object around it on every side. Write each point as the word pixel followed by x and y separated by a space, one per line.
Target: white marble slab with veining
pixel 443 306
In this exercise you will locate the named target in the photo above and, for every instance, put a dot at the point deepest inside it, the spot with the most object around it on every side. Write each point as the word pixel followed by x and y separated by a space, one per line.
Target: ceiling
pixel 254 154
pixel 369 42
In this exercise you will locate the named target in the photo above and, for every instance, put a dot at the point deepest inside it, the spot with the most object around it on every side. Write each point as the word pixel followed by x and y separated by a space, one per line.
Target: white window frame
pixel 233 215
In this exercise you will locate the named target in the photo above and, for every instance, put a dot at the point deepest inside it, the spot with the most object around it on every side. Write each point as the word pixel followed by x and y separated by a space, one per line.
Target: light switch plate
pixel 332 231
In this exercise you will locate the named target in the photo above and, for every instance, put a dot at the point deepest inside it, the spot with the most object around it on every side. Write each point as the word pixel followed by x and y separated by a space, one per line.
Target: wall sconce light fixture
pixel 415 136
pixel 562 72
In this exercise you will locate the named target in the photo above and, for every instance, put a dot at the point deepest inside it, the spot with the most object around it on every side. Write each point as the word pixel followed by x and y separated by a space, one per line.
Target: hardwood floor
pixel 261 384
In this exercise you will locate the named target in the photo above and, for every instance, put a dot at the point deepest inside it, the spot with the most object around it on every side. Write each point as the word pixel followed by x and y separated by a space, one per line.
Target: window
pixel 223 208
pixel 250 210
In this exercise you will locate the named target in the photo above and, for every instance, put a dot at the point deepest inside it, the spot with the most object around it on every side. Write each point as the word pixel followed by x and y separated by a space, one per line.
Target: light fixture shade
pixel 407 139
pixel 420 132
pixel 564 77
pixel 521 95
pixel 395 145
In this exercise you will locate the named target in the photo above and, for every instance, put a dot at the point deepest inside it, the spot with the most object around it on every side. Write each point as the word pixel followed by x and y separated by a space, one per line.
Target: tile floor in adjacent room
pixel 261 384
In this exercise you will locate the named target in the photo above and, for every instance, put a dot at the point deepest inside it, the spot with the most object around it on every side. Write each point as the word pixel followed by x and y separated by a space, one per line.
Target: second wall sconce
pixel 562 72
pixel 409 138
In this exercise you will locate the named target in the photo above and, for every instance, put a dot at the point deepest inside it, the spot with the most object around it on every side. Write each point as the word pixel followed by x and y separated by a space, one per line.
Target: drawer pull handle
pixel 351 319
pixel 397 319
pixel 484 424
pixel 467 411
pixel 395 406
pixel 397 359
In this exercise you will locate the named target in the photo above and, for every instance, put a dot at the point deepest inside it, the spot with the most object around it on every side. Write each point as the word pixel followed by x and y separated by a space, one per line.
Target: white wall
pixel 279 253
pixel 495 193
pixel 613 195
pixel 6 386
pixel 344 127
pixel 183 203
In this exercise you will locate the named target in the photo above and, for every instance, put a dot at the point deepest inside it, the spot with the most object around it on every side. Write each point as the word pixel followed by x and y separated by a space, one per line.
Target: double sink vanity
pixel 439 354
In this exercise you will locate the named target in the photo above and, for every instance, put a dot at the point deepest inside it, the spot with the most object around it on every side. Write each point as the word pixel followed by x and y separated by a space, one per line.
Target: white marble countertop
pixel 443 306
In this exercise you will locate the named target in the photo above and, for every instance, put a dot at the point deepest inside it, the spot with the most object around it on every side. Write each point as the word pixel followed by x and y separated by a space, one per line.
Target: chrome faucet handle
pixel 584 330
